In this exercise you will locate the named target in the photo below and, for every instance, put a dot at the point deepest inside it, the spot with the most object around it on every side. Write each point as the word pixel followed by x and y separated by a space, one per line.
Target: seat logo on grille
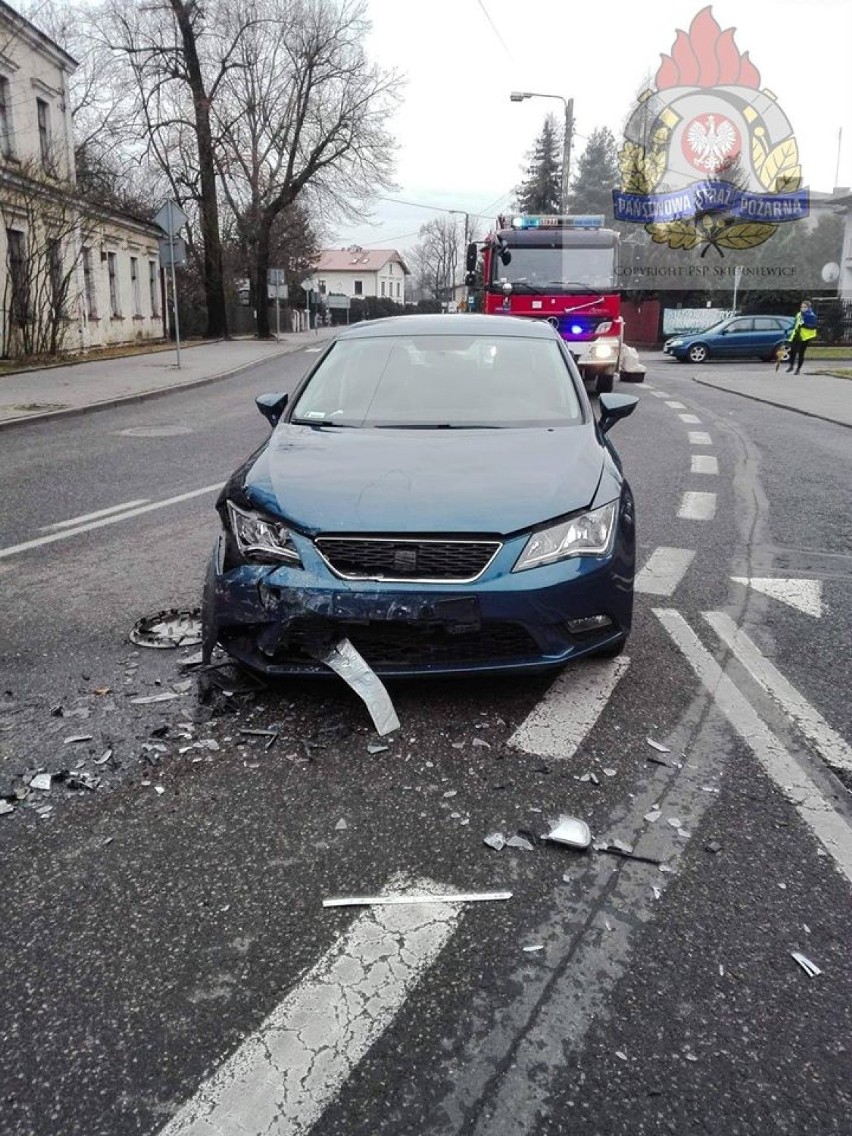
pixel 405 559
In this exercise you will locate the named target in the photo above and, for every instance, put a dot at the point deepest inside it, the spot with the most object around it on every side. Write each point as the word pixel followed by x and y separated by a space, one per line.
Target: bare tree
pixel 435 258
pixel 300 111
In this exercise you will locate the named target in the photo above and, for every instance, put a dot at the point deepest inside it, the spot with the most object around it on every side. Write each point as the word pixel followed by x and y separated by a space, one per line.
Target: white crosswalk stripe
pixel 663 571
pixel 560 722
pixel 704 463
pixel 696 506
pixel 699 438
pixel 284 1075
pixel 690 419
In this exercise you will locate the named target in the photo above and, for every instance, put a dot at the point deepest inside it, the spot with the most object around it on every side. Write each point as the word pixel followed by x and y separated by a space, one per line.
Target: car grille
pixel 389 645
pixel 360 558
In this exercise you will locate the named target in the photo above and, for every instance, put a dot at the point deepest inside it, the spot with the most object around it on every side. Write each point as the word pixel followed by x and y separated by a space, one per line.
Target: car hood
pixel 425 481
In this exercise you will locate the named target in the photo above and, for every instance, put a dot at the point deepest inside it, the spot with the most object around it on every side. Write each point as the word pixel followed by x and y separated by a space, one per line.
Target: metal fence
pixel 835 321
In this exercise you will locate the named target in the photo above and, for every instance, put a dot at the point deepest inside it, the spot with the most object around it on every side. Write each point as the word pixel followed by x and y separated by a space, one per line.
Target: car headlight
pixel 589 534
pixel 675 343
pixel 602 351
pixel 261 538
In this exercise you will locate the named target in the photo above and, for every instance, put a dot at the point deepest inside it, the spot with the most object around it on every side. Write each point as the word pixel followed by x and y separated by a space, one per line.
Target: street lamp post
pixel 519 96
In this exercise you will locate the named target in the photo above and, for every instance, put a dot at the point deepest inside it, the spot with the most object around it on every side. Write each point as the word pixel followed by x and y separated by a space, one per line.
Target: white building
pixel 355 271
pixel 72 275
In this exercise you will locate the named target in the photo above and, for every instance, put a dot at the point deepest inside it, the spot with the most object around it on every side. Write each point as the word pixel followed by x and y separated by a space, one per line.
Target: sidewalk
pixel 818 396
pixel 79 387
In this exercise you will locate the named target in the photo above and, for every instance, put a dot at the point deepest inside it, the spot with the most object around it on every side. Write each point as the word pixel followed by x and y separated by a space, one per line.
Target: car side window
pixel 741 325
pixel 764 323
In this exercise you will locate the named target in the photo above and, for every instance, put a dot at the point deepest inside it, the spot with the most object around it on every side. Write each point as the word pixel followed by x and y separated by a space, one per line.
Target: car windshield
pixel 441 381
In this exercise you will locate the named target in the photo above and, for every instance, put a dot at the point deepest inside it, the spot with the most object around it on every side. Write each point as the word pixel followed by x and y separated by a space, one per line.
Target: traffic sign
pixel 277 277
pixel 341 303
pixel 172 246
pixel 171 218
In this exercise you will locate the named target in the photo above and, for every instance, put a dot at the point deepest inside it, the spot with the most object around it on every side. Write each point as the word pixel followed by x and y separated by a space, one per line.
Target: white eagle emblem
pixel 713 144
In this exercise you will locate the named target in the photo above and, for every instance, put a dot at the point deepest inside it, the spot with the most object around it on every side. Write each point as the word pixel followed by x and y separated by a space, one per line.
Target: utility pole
pixel 566 151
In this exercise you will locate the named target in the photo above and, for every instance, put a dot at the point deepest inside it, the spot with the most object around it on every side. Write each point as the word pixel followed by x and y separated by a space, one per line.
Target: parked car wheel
pixel 697 353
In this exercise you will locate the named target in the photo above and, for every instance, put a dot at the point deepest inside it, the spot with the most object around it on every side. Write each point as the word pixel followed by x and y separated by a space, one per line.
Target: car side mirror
pixel 615 407
pixel 271 406
pixel 506 256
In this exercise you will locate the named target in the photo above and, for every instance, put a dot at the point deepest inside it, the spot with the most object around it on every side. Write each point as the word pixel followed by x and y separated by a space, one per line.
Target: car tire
pixel 605 384
pixel 697 353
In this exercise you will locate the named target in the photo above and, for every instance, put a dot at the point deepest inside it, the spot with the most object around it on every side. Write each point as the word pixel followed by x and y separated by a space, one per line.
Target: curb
pixel 769 402
pixel 141 396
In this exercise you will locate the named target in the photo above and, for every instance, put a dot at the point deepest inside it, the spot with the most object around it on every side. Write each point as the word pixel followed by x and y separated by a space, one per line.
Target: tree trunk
pixel 214 289
pixel 261 276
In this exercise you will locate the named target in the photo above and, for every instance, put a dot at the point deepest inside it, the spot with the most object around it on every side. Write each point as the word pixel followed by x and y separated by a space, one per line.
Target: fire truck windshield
pixel 557 269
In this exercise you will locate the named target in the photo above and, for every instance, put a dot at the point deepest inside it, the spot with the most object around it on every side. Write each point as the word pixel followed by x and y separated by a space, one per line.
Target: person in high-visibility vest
pixel 804 329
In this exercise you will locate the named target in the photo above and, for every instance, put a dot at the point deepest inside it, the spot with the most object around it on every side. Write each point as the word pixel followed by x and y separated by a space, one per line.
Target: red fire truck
pixel 561 269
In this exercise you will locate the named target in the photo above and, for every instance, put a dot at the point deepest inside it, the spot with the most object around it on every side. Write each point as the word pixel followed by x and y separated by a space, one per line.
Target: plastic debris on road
pixel 533 948
pixel 77 738
pixel 377 900
pixel 482 743
pixel 168 629
pixel 811 969
pixel 5 808
pixel 41 781
pixel 375 747
pixel 150 699
pixel 341 825
pixel 520 842
pixel 495 840
pixel 658 746
pixel 652 815
pixel 571 831
pixel 345 661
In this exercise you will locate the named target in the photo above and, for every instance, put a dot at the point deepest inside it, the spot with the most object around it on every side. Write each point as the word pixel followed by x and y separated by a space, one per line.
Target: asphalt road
pixel 167 965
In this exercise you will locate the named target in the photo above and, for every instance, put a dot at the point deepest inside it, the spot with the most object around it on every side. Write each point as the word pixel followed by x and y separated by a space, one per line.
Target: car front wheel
pixel 697 353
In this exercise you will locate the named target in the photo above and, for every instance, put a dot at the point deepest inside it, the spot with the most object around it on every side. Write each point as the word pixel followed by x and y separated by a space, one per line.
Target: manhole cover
pixel 155 431
pixel 168 629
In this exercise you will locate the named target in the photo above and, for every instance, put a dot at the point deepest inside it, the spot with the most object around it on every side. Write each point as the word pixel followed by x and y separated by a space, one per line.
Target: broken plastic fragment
pixel 450 793
pixel 811 969
pixel 609 772
pixel 5 807
pixel 658 746
pixel 345 661
pixel 481 742
pixel 374 747
pixel 149 699
pixel 533 948
pixel 77 738
pixel 621 1055
pixel 495 840
pixel 105 756
pixel 519 842
pixel 571 831
pixel 675 822
pixel 370 900
pixel 159 790
pixel 41 781
pixel 167 629
pixel 653 815
pixel 620 846
pixel 341 825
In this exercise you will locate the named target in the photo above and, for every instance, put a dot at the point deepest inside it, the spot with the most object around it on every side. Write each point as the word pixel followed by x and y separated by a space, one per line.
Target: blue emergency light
pixel 565 221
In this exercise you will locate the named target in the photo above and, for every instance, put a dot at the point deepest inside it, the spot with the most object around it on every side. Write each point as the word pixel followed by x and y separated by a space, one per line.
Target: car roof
pixel 456 324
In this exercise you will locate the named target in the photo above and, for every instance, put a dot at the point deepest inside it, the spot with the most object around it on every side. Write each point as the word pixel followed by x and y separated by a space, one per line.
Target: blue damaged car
pixel 438 492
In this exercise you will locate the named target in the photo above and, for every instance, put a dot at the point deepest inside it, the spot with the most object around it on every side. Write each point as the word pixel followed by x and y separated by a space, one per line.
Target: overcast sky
pixel 462 142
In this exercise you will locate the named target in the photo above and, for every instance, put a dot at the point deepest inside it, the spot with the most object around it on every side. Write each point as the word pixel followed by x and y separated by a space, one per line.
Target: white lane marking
pixel 40 541
pixel 311 350
pixel 94 516
pixel 697 506
pixel 699 438
pixel 829 744
pixel 692 419
pixel 284 1075
pixel 704 463
pixel 659 394
pixel 675 405
pixel 560 721
pixel 663 571
pixel 830 828
pixel 803 595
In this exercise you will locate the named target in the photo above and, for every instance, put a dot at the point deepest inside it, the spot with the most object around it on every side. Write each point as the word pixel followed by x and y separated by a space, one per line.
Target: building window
pixel 89 285
pixel 112 269
pixel 322 287
pixel 57 276
pixel 5 119
pixel 383 287
pixel 397 289
pixel 17 254
pixel 134 286
pixel 154 288
pixel 43 114
pixel 359 287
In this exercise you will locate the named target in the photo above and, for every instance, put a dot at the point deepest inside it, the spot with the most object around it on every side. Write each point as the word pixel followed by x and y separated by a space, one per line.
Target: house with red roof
pixel 356 271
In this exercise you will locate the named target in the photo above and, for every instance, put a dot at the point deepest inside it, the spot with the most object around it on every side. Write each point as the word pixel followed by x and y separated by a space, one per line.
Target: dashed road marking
pixel 690 419
pixel 696 506
pixel 704 463
pixel 829 827
pixel 560 721
pixel 828 743
pixel 94 516
pixel 284 1075
pixel 802 595
pixel 675 405
pixel 699 438
pixel 663 571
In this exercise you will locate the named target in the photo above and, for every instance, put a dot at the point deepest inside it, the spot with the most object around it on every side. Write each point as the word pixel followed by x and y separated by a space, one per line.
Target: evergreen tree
pixel 597 175
pixel 541 189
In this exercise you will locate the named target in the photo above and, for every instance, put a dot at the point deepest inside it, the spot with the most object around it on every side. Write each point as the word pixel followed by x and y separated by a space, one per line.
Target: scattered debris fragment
pixel 5 807
pixel 149 699
pixel 658 892
pixel 345 661
pixel 375 747
pixel 482 743
pixel 619 849
pixel 713 846
pixel 658 760
pixel 159 790
pixel 571 831
pixel 183 687
pixel 621 1055
pixel 533 948
pixel 341 825
pixel 102 690
pixel 450 793
pixel 41 781
pixel 690 1056
pixel 652 815
pixel 609 772
pixel 675 822
pixel 77 738
pixel 667 868
pixel 192 660
pixel 495 840
pixel 168 629
pixel 259 733
pixel 811 969
pixel 566 877
pixel 370 900
pixel 104 758
pixel 620 846
pixel 520 842
pixel 658 746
